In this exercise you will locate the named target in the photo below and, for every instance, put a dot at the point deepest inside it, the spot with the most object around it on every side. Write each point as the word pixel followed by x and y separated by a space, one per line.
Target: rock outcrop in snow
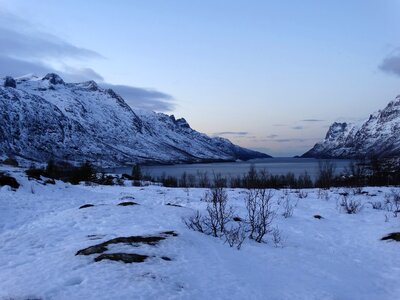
pixel 46 118
pixel 379 136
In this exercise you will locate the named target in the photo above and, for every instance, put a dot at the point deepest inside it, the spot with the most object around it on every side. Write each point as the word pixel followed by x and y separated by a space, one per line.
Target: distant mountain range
pixel 46 118
pixel 379 136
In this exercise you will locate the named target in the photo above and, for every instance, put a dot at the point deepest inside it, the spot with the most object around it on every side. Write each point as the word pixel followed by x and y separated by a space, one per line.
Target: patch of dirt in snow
pixel 128 203
pixel 86 206
pixel 395 236
pixel 135 241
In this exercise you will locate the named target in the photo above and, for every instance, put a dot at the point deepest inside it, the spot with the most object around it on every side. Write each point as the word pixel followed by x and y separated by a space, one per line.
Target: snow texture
pixel 379 136
pixel 339 256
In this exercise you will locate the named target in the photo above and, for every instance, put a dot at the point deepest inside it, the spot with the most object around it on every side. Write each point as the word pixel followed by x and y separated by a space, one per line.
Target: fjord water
pixel 275 166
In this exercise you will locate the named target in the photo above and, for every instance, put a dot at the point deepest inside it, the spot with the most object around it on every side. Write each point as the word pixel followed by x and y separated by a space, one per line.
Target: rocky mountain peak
pixel 378 136
pixel 53 78
pixel 336 129
pixel 10 82
pixel 82 121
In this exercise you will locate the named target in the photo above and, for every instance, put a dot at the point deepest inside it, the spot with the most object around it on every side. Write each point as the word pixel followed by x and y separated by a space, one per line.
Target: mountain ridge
pixel 378 136
pixel 47 118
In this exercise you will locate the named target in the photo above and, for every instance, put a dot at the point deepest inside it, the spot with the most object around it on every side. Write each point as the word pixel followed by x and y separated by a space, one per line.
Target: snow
pixel 41 229
pixel 75 121
pixel 375 136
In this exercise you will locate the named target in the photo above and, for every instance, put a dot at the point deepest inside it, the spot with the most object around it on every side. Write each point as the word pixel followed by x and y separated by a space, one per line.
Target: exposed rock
pixel 149 240
pixel 124 257
pixel 170 232
pixel 53 78
pixel 86 206
pixel 10 82
pixel 128 203
pixel 395 236
pixel 172 204
pixel 165 258
pixel 100 248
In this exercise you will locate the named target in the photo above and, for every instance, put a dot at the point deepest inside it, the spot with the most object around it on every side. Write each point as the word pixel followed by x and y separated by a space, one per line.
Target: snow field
pixel 41 228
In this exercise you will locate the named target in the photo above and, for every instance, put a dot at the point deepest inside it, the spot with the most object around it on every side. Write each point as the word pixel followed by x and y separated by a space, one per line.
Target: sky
pixel 269 75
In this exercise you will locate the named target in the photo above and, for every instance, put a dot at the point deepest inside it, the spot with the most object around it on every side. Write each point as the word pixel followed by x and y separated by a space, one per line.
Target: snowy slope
pixel 41 229
pixel 45 118
pixel 377 136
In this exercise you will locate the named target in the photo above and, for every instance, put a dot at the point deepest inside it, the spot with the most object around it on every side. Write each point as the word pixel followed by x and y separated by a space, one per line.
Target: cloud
pixel 311 120
pixel 17 67
pixel 143 98
pixel 19 39
pixel 289 140
pixel 297 127
pixel 232 133
pixel 391 63
pixel 272 136
pixel 72 74
pixel 25 50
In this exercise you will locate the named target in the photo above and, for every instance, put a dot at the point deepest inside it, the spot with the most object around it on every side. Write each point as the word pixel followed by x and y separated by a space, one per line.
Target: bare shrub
pixel 392 202
pixel 288 207
pixel 195 222
pixel 259 213
pixel 376 205
pixel 218 212
pixel 302 194
pixel 235 236
pixel 323 194
pixel 218 216
pixel 358 191
pixel 349 205
pixel 276 237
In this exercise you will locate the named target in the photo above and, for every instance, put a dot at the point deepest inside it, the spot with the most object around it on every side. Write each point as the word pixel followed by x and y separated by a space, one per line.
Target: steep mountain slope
pixel 378 136
pixel 43 118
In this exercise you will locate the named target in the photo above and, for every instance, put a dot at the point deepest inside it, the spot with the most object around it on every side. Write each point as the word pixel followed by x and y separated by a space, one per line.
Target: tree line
pixel 373 172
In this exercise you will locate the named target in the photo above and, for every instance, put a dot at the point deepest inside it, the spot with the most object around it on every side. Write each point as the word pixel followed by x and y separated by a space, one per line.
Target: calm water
pixel 275 166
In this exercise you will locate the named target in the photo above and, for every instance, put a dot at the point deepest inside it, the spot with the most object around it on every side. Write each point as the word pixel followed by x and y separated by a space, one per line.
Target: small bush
pixel 350 206
pixel 376 205
pixel 302 194
pixel 218 212
pixel 235 236
pixel 136 172
pixel 8 180
pixel 392 202
pixel 195 222
pixel 218 216
pixel 258 204
pixel 34 173
pixel 64 171
pixel 10 161
pixel 276 237
pixel 169 181
pixel 288 207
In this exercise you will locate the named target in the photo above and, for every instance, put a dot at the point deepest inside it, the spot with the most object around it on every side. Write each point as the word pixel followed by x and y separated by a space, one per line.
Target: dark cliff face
pixel 43 118
pixel 379 136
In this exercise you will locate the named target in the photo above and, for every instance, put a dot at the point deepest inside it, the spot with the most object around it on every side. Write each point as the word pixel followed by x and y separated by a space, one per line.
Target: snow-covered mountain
pixel 46 118
pixel 379 136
